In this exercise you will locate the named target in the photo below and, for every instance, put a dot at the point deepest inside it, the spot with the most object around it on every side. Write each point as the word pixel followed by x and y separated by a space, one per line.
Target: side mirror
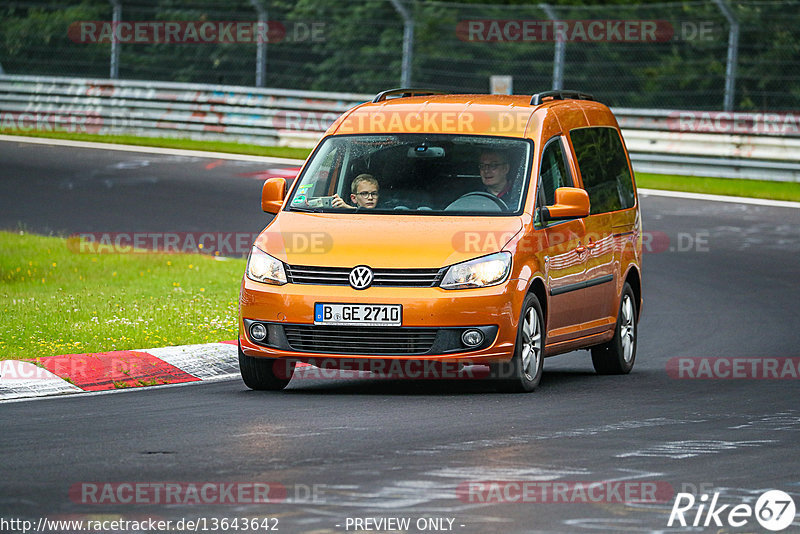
pixel 272 195
pixel 571 203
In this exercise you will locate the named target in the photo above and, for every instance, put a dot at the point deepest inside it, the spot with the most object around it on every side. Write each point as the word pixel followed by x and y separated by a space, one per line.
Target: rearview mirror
pixel 272 195
pixel 425 151
pixel 571 203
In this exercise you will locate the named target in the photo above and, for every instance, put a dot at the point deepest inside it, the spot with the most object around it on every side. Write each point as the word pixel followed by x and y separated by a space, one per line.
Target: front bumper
pixel 440 314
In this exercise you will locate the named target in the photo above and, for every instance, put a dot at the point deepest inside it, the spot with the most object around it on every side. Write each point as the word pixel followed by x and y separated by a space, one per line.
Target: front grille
pixel 377 341
pixel 339 276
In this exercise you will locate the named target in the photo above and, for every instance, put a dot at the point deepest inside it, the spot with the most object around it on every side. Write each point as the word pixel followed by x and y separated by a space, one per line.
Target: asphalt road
pixel 721 282
pixel 63 190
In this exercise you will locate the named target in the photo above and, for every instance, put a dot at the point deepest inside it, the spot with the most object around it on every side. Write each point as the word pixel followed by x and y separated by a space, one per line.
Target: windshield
pixel 420 174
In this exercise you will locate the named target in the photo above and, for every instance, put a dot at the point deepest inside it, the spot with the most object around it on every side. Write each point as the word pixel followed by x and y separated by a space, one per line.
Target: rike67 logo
pixel 774 510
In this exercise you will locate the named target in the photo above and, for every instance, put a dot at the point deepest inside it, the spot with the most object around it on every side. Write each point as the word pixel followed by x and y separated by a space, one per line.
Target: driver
pixel 494 169
pixel 364 193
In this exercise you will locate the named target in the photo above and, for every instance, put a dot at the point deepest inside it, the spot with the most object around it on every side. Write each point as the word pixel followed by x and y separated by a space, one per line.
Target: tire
pixel 265 374
pixel 524 372
pixel 618 355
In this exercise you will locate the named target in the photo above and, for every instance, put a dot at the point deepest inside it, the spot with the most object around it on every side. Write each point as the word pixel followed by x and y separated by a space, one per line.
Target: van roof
pixel 420 111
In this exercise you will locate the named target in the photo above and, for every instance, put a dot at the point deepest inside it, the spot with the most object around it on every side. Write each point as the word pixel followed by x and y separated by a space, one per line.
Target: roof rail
pixel 405 92
pixel 559 95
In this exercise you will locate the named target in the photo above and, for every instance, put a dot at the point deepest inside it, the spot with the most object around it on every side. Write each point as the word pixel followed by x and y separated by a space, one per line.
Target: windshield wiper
pixel 305 210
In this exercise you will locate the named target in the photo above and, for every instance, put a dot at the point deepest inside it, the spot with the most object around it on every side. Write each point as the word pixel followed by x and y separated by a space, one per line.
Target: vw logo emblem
pixel 361 277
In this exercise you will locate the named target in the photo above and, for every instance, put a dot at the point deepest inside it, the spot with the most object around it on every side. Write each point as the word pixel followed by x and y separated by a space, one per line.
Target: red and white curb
pixel 77 373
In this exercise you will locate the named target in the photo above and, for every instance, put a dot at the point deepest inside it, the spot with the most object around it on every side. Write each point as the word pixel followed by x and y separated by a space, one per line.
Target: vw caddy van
pixel 429 231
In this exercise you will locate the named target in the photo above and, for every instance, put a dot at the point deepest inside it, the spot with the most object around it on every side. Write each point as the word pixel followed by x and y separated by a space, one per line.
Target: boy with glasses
pixel 364 193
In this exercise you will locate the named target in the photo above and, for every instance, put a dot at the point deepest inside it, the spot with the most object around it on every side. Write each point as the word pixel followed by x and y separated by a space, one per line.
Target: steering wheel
pixel 499 201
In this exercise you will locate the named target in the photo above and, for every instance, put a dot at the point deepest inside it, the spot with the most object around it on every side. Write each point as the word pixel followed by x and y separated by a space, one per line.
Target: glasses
pixel 490 166
pixel 367 194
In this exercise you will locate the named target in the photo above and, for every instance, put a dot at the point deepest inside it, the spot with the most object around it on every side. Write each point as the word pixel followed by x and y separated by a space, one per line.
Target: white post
pixel 558 57
pixel 116 17
pixel 261 46
pixel 733 54
pixel 408 42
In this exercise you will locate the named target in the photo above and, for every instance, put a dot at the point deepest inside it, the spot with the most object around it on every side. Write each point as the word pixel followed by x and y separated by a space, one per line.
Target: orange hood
pixel 384 241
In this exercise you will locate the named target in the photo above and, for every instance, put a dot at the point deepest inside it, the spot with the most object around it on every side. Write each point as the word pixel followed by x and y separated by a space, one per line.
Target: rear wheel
pixel 618 355
pixel 524 372
pixel 265 374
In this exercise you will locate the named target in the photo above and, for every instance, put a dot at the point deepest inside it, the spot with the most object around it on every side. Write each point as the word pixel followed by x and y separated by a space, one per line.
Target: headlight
pixel 480 272
pixel 262 267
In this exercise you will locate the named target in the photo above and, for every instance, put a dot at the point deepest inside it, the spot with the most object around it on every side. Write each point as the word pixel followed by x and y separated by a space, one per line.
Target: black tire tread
pixel 259 373
pixel 608 358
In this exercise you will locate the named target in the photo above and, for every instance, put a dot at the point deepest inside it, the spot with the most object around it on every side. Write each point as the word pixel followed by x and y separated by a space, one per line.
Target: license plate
pixel 358 314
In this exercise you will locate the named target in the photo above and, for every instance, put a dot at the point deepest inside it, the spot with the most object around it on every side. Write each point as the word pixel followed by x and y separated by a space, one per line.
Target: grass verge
pixel 721 186
pixel 55 301
pixel 168 142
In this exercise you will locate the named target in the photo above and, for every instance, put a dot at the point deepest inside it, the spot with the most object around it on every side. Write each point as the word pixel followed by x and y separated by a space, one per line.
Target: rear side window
pixel 604 168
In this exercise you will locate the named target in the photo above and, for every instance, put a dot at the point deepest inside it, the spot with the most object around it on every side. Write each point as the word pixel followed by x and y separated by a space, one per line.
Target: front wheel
pixel 524 372
pixel 618 355
pixel 265 374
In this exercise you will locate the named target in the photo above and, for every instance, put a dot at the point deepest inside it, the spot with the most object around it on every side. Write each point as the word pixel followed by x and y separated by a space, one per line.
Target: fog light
pixel 472 338
pixel 258 332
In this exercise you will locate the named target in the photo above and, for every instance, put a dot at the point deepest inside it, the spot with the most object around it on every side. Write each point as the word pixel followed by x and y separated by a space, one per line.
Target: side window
pixel 604 168
pixel 553 171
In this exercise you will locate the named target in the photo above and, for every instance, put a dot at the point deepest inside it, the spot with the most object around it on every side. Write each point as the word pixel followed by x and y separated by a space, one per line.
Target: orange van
pixel 449 230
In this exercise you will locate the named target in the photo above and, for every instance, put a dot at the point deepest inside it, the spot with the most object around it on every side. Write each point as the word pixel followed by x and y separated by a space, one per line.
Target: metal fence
pixel 710 54
pixel 735 145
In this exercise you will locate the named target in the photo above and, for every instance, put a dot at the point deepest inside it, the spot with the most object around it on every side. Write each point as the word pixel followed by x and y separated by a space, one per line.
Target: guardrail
pixel 165 109
pixel 735 145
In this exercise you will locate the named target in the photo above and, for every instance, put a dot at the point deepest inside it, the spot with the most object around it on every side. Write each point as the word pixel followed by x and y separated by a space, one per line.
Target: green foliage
pixel 31 38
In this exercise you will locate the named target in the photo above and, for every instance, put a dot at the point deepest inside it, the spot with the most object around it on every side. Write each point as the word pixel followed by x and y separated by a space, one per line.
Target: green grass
pixel 55 301
pixel 167 142
pixel 721 186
